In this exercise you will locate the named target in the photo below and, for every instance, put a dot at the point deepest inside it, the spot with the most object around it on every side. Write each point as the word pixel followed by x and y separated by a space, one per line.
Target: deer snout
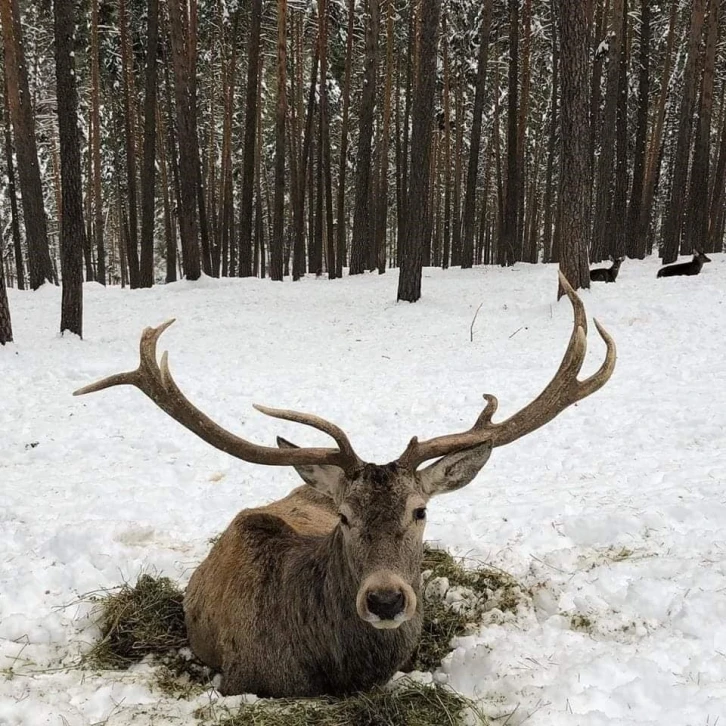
pixel 385 600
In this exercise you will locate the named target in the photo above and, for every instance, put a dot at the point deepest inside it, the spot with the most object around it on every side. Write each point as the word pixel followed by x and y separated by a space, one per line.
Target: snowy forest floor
pixel 614 514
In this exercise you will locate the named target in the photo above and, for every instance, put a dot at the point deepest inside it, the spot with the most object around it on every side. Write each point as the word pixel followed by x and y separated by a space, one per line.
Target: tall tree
pixel 73 231
pixel 278 224
pixel 250 137
pixel 129 116
pixel 414 237
pixel 187 136
pixel 95 142
pixel 6 328
pixel 364 208
pixel 12 195
pixel 40 267
pixel 574 217
pixel 601 232
pixel 467 238
pixel 148 169
pixel 673 223
pixel 508 244
pixel 635 243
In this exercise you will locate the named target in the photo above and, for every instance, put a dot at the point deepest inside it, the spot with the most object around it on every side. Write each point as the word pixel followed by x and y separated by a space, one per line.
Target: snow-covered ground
pixel 614 514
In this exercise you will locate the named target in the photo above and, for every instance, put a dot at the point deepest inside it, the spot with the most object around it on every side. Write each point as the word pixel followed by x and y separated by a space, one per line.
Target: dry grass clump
pixel 408 703
pixel 137 621
pixel 485 589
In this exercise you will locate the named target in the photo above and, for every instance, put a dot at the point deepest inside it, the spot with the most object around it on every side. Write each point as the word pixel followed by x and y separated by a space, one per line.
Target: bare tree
pixel 148 169
pixel 21 115
pixel 73 231
pixel 278 230
pixel 574 220
pixel 414 237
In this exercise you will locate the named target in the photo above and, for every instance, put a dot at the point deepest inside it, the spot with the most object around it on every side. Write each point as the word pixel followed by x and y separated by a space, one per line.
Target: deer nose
pixel 386 604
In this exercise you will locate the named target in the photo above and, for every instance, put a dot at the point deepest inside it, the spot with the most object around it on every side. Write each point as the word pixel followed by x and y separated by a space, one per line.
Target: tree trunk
pixel 617 216
pixel 467 238
pixel 188 143
pixel 97 191
pixel 148 169
pixel 40 267
pixel 697 236
pixel 364 215
pixel 574 220
pixel 250 140
pixel 409 282
pixel 601 231
pixel 635 244
pixel 12 195
pixel 508 240
pixel 277 241
pixel 73 231
pixel 672 226
pixel 549 195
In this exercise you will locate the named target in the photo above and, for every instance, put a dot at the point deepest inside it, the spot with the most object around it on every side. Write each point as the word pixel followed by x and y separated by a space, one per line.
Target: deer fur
pixel 607 274
pixel 276 605
pixel 693 267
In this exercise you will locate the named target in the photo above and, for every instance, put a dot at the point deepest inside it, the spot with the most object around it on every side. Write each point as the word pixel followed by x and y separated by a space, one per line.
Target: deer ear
pixel 454 471
pixel 326 479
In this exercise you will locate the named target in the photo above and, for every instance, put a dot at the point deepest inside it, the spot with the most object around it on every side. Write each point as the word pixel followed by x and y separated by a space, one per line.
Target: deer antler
pixel 155 380
pixel 562 391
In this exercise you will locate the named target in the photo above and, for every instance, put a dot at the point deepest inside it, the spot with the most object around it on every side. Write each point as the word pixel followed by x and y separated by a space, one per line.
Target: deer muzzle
pixel 386 600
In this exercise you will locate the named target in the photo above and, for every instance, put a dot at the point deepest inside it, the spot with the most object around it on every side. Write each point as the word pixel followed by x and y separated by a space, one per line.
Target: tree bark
pixel 467 238
pixel 40 267
pixel 364 207
pixel 277 241
pixel 409 281
pixel 574 218
pixel 148 169
pixel 97 190
pixel 672 226
pixel 73 231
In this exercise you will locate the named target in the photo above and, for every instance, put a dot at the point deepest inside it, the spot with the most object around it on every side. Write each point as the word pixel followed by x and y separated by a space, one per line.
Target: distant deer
pixel 685 268
pixel 607 274
pixel 319 592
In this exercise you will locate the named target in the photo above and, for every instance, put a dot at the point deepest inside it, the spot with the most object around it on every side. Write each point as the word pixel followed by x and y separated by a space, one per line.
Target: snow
pixel 613 515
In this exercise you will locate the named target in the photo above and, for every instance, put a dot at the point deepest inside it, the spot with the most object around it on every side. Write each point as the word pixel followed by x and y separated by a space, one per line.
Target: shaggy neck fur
pixel 337 652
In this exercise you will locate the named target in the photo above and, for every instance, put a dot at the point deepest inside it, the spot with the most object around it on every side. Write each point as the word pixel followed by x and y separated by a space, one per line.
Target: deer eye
pixel 343 519
pixel 419 513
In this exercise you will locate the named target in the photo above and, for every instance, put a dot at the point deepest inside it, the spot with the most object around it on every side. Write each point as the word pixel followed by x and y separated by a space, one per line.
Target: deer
pixel 319 593
pixel 607 274
pixel 685 268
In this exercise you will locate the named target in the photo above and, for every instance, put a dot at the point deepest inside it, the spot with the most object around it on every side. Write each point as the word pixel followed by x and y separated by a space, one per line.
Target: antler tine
pixel 156 381
pixel 563 390
pixel 316 422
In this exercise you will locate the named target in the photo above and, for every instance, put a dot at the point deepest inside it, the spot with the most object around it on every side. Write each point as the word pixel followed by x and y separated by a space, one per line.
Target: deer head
pixel 381 508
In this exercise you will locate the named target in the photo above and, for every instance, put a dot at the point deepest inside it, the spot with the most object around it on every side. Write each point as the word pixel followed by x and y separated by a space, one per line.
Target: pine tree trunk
pixel 12 195
pixel 148 170
pixel 97 192
pixel 188 143
pixel 250 140
pixel 635 243
pixel 672 226
pixel 409 282
pixel 467 239
pixel 549 195
pixel 364 215
pixel 446 251
pixel 574 219
pixel 278 231
pixel 40 267
pixel 617 217
pixel 508 240
pixel 696 236
pixel 73 231
pixel 601 232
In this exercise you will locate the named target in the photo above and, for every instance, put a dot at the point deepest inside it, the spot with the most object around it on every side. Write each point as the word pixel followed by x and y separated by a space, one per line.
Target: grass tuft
pixel 407 703
pixel 146 619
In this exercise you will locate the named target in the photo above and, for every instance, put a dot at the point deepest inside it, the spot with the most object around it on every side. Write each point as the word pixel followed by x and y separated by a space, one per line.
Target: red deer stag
pixel 685 268
pixel 607 274
pixel 318 593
